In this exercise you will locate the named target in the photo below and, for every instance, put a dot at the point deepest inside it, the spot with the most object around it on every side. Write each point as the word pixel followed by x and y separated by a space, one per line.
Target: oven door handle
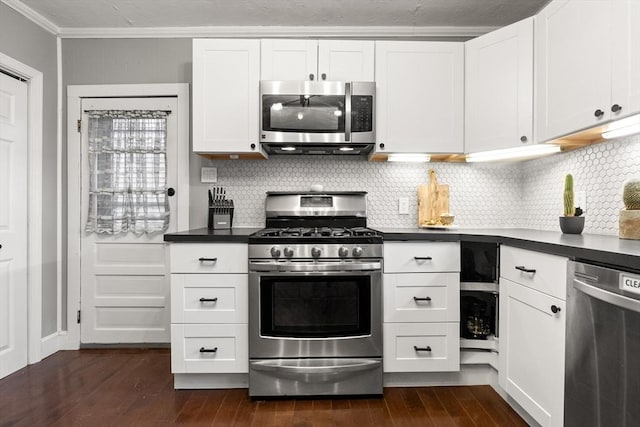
pixel 314 370
pixel 314 267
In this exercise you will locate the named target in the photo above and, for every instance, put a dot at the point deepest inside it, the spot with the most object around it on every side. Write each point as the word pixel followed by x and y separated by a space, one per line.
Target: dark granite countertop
pixel 587 247
pixel 204 235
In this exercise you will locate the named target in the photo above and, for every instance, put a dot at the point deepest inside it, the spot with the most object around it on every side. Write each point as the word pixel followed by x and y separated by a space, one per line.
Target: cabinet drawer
pixel 209 298
pixel 209 258
pixel 230 342
pixel 422 257
pixel 401 340
pixel 547 273
pixel 422 297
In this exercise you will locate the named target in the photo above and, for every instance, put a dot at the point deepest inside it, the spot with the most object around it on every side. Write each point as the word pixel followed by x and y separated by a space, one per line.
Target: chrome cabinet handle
pixel 416 299
pixel 208 350
pixel 427 348
pixel 202 259
pixel 525 269
pixel 209 299
pixel 422 258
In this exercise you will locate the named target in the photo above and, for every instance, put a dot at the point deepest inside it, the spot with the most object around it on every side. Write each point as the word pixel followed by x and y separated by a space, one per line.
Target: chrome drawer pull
pixel 427 348
pixel 208 350
pixel 526 270
pixel 427 299
pixel 422 258
pixel 201 259
pixel 209 299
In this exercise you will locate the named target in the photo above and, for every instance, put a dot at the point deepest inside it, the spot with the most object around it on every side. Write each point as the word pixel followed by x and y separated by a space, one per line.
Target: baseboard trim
pixel 50 345
pixel 468 375
pixel 210 381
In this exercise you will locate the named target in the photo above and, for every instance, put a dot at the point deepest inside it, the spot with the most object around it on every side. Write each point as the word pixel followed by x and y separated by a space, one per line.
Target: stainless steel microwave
pixel 317 117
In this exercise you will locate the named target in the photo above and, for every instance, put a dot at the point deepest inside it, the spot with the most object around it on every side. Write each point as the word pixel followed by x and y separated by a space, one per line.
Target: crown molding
pixel 32 15
pixel 275 31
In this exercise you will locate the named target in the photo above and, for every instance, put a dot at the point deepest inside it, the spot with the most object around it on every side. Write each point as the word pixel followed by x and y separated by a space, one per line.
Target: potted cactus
pixel 572 222
pixel 630 215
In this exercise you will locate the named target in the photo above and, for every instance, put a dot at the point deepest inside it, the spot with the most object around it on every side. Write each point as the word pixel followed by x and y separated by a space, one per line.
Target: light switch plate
pixel 208 174
pixel 403 206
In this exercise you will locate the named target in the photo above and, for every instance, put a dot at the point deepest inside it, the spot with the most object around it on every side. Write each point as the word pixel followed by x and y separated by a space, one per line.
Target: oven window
pixel 315 307
pixel 309 113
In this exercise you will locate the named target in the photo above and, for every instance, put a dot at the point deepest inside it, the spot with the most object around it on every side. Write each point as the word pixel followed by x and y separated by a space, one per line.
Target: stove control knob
pixel 288 252
pixel 315 252
pixel 357 251
pixel 275 252
pixel 343 252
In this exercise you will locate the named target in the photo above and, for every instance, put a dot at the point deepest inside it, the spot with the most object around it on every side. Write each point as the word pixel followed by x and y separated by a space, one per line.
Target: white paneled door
pixel 13 225
pixel 124 276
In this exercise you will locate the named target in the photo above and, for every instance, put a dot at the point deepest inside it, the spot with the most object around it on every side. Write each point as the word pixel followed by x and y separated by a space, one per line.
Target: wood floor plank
pixel 134 387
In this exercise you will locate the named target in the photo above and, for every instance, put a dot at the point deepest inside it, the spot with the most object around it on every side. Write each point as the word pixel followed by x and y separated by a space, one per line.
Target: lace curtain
pixel 128 172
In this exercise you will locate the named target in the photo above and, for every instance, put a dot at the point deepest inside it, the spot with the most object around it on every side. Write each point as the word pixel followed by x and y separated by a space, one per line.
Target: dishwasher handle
pixel 608 297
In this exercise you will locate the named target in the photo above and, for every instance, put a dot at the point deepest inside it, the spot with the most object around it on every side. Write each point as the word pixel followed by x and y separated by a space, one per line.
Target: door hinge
pixel 78 316
pixel 79 124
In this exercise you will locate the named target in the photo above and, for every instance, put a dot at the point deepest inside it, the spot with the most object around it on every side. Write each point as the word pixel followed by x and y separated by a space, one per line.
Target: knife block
pixel 220 215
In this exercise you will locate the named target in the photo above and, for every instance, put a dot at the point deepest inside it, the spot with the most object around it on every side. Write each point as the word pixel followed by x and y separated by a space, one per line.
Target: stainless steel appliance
pixel 602 370
pixel 315 312
pixel 317 117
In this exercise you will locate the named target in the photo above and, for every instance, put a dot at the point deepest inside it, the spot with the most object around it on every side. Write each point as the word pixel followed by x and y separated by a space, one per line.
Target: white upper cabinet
pixel 340 60
pixel 226 78
pixel 499 88
pixel 587 64
pixel 420 97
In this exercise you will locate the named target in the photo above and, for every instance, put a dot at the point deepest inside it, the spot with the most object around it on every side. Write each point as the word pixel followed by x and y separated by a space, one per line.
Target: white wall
pixel 30 44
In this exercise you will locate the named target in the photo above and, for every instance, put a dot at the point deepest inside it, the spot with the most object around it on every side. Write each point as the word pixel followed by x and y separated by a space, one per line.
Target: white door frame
pixel 34 80
pixel 74 167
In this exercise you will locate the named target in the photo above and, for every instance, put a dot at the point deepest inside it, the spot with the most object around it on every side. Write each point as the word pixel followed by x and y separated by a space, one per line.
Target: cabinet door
pixel 289 59
pixel 420 97
pixel 626 58
pixel 346 60
pixel 499 88
pixel 226 76
pixel 573 66
pixel 532 341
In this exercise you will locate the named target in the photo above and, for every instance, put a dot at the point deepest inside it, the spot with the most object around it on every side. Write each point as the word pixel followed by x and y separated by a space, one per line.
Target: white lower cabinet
pixel 209 315
pixel 532 335
pixel 421 285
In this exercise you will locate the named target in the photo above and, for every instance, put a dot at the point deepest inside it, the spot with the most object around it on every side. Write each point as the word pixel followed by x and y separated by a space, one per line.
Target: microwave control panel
pixel 361 113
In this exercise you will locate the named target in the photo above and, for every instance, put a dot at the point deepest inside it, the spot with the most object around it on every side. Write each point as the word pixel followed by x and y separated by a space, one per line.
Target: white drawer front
pixel 224 298
pixel 401 340
pixel 421 257
pixel 547 273
pixel 422 297
pixel 209 257
pixel 230 341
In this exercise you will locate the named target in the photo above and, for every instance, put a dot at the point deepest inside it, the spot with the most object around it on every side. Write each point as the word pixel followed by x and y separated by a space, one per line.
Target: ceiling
pixel 145 14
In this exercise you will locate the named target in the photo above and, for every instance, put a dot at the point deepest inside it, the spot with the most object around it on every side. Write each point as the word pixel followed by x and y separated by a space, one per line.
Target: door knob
pixel 171 192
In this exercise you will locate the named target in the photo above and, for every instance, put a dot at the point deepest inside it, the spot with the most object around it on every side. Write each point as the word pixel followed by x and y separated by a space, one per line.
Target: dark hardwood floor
pixel 131 387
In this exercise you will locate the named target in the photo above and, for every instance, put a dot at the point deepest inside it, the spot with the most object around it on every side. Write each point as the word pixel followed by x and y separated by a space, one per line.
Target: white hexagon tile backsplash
pixel 499 195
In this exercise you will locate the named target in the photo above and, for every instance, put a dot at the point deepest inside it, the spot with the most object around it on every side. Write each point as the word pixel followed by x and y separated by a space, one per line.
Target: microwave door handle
pixel 347 107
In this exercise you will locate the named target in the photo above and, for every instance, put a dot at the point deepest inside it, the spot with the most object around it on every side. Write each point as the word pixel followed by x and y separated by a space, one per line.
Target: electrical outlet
pixel 208 175
pixel 581 200
pixel 403 206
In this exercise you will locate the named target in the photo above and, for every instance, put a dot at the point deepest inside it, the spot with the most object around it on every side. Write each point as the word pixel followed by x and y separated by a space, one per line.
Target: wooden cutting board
pixel 433 200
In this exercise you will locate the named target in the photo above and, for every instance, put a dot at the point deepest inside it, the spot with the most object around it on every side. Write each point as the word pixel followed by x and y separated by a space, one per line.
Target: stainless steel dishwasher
pixel 602 372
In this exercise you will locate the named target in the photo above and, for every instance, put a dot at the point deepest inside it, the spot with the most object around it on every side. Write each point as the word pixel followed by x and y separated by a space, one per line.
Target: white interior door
pixel 124 277
pixel 13 225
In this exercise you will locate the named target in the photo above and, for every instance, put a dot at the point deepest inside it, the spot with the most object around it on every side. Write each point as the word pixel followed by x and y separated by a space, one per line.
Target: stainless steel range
pixel 315 313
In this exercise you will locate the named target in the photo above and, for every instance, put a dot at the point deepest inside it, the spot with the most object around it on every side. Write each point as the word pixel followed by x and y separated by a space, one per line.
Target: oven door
pixel 315 314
